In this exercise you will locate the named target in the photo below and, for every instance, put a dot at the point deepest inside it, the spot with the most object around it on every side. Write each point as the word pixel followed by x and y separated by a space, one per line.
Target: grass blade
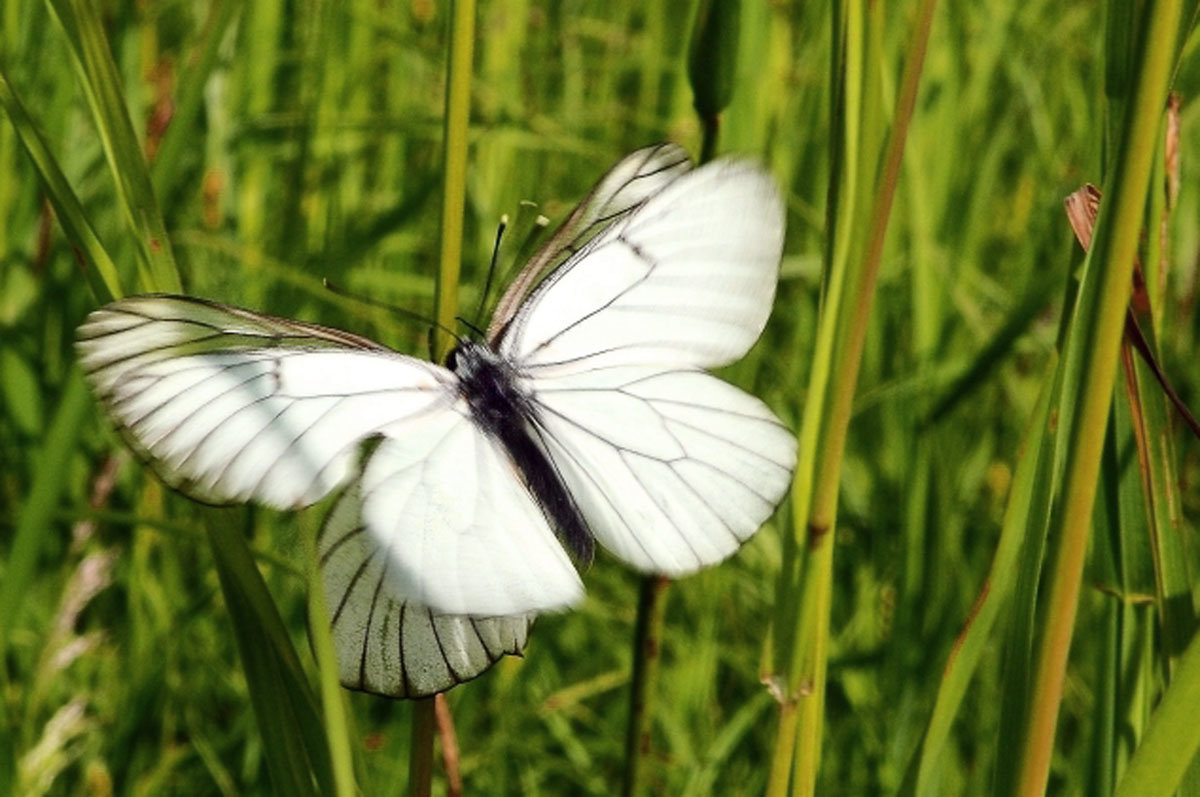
pixel 102 86
pixel 1172 738
pixel 1090 366
pixel 811 644
pixel 993 598
pixel 99 269
pixel 333 698
pixel 293 735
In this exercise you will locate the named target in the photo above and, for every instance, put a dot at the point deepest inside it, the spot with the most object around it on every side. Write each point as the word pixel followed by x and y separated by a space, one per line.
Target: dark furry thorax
pixel 508 414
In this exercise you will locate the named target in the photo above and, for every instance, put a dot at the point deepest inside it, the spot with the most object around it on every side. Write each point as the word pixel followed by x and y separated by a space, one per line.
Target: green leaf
pixel 972 642
pixel 101 85
pixel 1173 737
pixel 293 735
pixel 103 277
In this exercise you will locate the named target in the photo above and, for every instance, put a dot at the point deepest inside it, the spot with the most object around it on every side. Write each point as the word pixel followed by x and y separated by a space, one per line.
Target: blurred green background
pixel 290 142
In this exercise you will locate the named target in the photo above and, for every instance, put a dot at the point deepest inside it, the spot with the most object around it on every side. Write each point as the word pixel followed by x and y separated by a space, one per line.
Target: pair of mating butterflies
pixel 475 491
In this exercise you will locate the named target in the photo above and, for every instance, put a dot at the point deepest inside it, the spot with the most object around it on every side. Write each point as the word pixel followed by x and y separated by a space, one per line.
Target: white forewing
pixel 672 468
pixel 459 531
pixel 637 177
pixel 233 407
pixel 686 278
pixel 392 646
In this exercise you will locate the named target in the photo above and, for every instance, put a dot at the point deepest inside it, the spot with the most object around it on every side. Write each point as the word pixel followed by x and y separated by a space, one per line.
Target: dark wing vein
pixel 408 689
pixel 619 295
pixel 581 468
pixel 325 557
pixel 706 432
pixel 437 637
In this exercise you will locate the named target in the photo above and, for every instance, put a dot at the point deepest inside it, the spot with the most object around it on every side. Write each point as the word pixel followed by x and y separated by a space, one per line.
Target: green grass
pixel 141 652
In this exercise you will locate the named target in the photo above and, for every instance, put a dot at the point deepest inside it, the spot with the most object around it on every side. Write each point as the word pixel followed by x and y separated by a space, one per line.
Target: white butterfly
pixel 476 489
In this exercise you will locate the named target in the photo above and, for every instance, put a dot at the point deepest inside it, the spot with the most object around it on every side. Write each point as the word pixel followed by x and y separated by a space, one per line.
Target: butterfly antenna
pixel 400 311
pixel 470 326
pixel 487 285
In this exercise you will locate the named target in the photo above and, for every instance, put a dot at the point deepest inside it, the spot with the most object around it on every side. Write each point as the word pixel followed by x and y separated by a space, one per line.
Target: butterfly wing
pixel 672 468
pixel 456 529
pixel 231 406
pixel 637 177
pixel 386 644
pixel 688 277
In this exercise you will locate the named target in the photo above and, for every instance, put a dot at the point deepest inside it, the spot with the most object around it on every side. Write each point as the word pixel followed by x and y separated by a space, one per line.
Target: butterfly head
pixel 487 382
pixel 469 359
pixel 452 358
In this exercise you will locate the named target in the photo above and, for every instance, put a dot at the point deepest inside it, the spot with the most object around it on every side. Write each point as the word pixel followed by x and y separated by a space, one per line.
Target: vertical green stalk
pixel 454 164
pixel 797 609
pixel 647 654
pixel 8 150
pixel 333 705
pixel 420 756
pixel 454 186
pixel 971 644
pixel 850 311
pixel 1091 362
pixel 1172 738
pixel 712 66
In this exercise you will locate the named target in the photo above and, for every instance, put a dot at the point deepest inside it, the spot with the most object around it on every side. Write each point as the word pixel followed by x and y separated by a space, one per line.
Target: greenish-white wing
pixel 391 646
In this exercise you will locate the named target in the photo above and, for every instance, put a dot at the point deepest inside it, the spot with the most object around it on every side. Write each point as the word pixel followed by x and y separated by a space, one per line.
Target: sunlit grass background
pixel 294 142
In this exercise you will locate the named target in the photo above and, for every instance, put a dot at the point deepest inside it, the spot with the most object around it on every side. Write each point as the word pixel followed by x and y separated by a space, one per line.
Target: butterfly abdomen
pixel 506 414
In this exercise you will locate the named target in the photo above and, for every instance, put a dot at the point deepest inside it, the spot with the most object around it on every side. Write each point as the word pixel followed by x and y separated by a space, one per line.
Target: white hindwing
pixel 459 531
pixel 391 646
pixel 232 406
pixel 672 468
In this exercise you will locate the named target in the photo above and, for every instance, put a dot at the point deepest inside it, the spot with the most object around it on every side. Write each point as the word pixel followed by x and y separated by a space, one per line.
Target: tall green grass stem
pixel 420 758
pixel 333 704
pixel 812 639
pixel 455 129
pixel 797 600
pixel 647 654
pixel 851 336
pixel 1091 360
pixel 101 83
